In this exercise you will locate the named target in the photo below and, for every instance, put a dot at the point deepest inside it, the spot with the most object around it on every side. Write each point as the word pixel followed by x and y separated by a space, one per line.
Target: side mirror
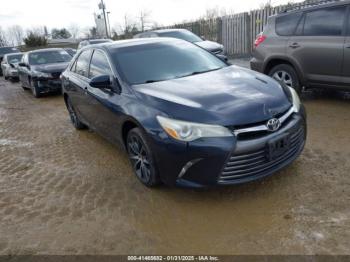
pixel 102 81
pixel 223 58
pixel 22 64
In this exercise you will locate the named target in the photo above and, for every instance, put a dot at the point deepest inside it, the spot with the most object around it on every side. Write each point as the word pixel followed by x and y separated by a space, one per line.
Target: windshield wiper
pixel 152 81
pixel 200 72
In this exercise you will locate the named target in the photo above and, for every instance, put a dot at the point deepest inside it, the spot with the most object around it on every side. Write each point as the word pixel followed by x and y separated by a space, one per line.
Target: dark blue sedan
pixel 184 116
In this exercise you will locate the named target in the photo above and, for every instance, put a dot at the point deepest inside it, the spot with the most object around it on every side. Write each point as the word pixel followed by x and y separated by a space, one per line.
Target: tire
pixel 34 88
pixel 287 74
pixel 141 158
pixel 73 116
pixel 6 77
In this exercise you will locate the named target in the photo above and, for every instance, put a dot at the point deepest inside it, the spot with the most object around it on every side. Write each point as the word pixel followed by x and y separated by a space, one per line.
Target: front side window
pixel 162 61
pixel 285 25
pixel 49 57
pixel 99 65
pixel 82 63
pixel 325 22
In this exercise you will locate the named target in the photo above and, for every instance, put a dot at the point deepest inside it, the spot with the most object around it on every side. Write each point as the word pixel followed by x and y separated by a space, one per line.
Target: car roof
pixel 135 42
pixel 98 40
pixel 11 54
pixel 313 7
pixel 45 50
pixel 167 30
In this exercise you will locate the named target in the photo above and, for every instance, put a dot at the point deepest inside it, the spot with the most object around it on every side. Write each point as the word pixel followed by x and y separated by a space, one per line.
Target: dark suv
pixel 308 47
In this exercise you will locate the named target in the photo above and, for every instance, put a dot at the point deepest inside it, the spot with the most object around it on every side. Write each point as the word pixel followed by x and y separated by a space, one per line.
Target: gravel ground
pixel 64 191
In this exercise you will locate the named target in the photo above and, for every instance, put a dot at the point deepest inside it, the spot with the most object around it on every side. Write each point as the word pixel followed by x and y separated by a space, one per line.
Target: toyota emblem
pixel 273 124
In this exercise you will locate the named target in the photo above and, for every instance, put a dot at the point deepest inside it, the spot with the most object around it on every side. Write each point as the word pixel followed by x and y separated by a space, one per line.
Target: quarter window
pixel 325 22
pixel 285 25
pixel 82 63
pixel 99 65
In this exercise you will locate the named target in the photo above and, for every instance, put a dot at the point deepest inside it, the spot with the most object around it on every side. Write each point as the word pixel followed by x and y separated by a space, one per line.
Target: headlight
pixel 187 131
pixel 296 100
pixel 41 74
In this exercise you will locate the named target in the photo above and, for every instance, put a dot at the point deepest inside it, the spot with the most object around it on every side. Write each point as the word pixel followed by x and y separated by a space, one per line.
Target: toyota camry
pixel 184 116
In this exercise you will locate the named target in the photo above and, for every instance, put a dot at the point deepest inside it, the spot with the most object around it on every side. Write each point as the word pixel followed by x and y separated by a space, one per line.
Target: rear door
pixel 318 45
pixel 346 64
pixel 78 84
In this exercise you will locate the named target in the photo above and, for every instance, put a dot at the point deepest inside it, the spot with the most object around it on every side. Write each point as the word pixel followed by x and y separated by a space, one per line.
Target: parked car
pixel 40 70
pixel 184 116
pixel 186 35
pixel 71 51
pixel 308 47
pixel 4 51
pixel 93 42
pixel 9 65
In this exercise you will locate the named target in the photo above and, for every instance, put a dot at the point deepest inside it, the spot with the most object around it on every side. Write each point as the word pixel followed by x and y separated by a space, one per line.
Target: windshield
pixel 183 34
pixel 13 59
pixel 155 62
pixel 49 57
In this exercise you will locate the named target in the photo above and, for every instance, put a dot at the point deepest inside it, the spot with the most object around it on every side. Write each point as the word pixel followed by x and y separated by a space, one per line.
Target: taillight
pixel 259 40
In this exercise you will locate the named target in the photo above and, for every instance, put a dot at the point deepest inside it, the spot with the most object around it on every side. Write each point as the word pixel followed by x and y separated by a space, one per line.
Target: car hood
pixel 51 68
pixel 229 96
pixel 209 45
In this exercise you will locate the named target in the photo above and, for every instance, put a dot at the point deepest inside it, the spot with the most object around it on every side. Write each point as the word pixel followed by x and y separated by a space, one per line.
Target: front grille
pixel 260 133
pixel 56 75
pixel 257 163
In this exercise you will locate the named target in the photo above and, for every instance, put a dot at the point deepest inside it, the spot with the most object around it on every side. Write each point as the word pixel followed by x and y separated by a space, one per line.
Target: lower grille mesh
pixel 257 163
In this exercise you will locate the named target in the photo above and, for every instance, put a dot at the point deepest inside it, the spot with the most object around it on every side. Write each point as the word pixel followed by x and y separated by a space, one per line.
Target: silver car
pixel 9 65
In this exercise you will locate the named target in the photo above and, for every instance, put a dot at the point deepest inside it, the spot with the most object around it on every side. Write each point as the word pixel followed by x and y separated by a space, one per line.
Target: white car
pixel 9 65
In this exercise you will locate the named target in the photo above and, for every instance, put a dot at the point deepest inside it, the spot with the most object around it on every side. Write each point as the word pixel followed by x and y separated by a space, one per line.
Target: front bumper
pixel 257 65
pixel 47 85
pixel 12 73
pixel 226 161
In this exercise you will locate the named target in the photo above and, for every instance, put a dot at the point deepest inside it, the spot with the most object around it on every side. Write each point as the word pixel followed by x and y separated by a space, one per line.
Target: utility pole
pixel 104 16
pixel 109 24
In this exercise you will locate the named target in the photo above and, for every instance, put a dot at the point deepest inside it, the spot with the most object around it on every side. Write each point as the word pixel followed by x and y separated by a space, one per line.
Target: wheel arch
pixel 129 124
pixel 274 61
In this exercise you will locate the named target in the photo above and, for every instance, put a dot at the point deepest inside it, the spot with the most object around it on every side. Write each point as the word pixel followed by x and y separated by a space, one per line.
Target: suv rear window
pixel 285 25
pixel 325 22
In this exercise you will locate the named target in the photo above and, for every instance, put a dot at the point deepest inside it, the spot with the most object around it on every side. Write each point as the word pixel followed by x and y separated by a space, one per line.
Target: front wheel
pixel 73 116
pixel 286 74
pixel 141 158
pixel 35 89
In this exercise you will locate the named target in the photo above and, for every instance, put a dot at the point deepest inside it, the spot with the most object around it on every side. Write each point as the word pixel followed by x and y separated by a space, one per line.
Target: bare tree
pixel 15 34
pixel 74 29
pixel 3 39
pixel 144 20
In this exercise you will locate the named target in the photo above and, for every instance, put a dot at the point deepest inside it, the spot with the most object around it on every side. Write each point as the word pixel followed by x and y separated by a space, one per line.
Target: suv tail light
pixel 260 39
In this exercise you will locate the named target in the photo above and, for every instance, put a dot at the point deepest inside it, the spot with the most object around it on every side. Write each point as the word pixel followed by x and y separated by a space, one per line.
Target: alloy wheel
pixel 139 158
pixel 283 76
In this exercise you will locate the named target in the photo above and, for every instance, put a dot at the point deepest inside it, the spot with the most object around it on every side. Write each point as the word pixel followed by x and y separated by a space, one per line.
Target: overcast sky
pixel 63 13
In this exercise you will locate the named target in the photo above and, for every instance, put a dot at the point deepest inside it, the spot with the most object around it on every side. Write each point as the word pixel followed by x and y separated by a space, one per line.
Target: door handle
pixel 294 45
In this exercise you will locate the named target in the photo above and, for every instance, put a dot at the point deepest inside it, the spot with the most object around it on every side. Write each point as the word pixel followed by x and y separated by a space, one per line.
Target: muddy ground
pixel 64 191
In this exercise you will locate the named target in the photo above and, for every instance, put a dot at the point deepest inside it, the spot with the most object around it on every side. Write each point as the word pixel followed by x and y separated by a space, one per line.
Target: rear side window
pixel 325 22
pixel 99 65
pixel 285 25
pixel 82 63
